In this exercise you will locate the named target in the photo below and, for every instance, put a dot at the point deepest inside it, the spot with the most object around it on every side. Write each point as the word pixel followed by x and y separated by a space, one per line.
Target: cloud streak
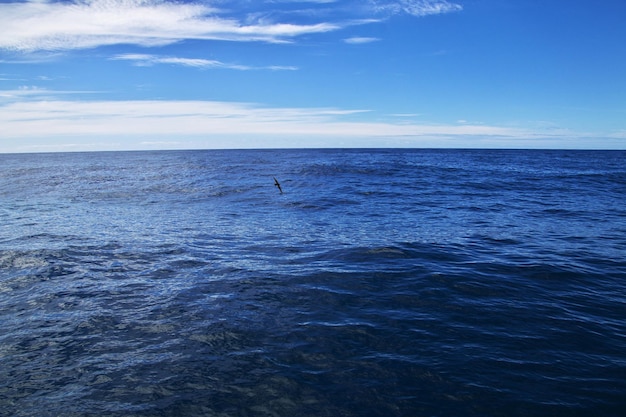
pixel 46 25
pixel 144 60
pixel 40 120
pixel 26 92
pixel 360 40
pixel 418 8
pixel 174 119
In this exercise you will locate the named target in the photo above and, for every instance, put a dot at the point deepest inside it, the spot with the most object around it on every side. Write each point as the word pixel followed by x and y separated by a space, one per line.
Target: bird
pixel 276 183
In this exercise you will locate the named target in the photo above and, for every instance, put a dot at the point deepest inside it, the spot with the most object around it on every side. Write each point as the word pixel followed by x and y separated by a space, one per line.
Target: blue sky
pixel 147 74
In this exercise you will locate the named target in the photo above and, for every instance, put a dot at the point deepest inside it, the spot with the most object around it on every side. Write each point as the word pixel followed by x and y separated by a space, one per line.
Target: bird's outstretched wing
pixel 276 183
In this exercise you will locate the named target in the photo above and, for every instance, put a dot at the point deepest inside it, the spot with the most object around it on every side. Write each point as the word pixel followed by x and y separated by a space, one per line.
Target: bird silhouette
pixel 276 183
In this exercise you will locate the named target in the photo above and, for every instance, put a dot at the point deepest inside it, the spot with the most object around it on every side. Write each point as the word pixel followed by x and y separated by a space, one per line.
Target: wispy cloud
pixel 27 92
pixel 162 120
pixel 405 115
pixel 416 7
pixel 38 119
pixel 302 1
pixel 149 60
pixel 360 40
pixel 48 25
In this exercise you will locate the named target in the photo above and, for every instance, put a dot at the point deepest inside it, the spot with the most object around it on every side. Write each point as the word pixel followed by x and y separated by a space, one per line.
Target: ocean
pixel 379 283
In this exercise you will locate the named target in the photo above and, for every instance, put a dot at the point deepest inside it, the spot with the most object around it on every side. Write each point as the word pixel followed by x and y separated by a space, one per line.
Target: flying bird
pixel 276 183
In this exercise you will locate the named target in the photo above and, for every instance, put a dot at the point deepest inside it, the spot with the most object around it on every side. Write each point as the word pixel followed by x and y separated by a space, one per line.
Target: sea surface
pixel 379 283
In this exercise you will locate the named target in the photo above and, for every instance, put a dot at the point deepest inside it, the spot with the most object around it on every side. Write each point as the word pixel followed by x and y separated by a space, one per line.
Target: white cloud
pixel 25 92
pixel 417 8
pixel 302 1
pixel 360 40
pixel 149 60
pixel 51 124
pixel 408 115
pixel 169 121
pixel 47 25
pixel 21 92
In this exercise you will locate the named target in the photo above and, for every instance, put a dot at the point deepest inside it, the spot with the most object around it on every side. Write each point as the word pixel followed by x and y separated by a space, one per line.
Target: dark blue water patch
pixel 399 283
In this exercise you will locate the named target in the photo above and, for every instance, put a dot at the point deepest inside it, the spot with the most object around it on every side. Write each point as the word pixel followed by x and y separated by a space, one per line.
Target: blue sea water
pixel 380 283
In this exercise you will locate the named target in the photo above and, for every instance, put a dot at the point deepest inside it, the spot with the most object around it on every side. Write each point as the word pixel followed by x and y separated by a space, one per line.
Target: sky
pixel 86 75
